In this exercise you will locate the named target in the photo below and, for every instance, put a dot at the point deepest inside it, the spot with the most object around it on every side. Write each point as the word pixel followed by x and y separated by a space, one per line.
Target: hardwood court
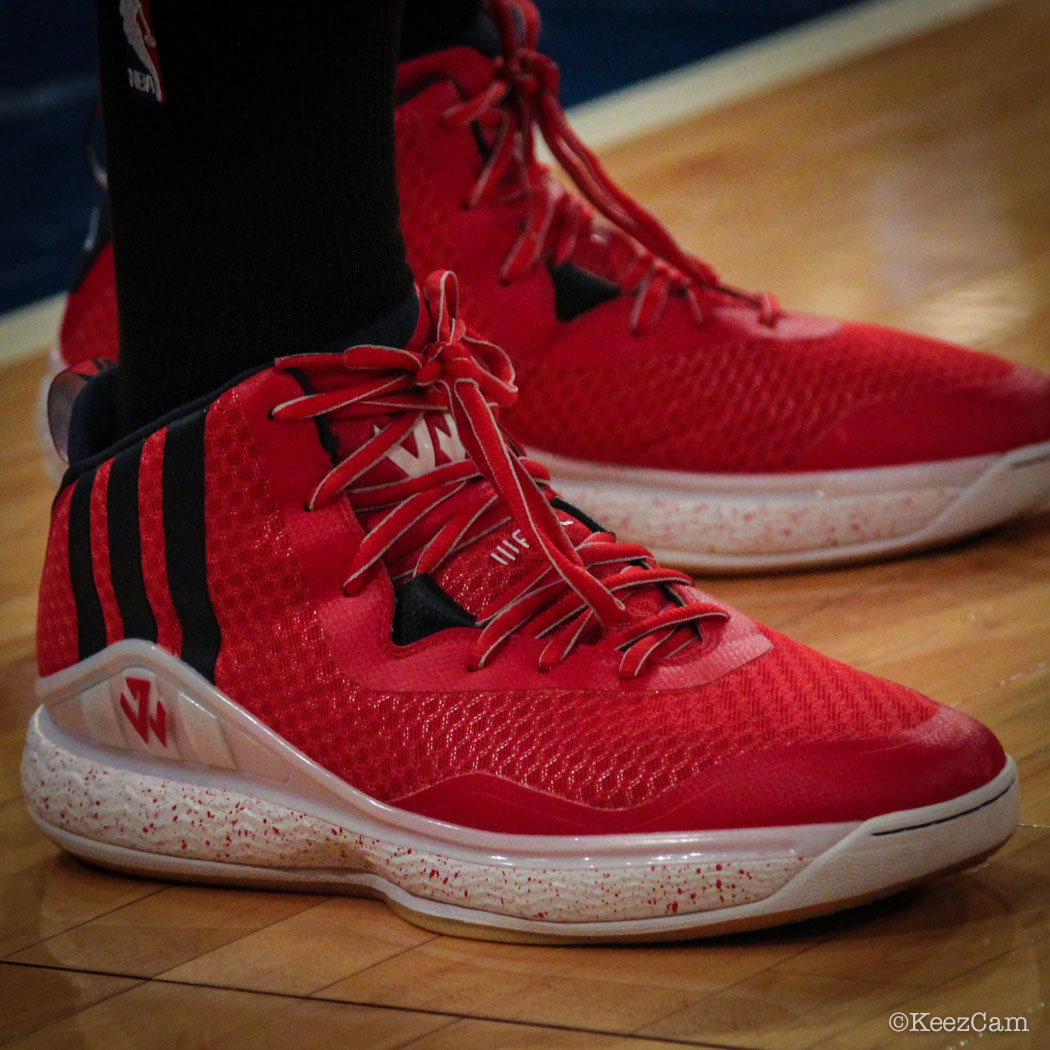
pixel 908 187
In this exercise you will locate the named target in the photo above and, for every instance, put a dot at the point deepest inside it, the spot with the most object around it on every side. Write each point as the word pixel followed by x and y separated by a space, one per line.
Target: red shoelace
pixel 577 591
pixel 524 93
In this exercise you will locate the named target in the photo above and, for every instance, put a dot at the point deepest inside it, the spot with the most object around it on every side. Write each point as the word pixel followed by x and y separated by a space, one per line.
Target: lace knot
pixel 454 354
pixel 529 73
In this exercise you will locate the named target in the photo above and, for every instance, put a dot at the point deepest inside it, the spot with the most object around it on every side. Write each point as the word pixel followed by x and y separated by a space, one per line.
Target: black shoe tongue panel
pixel 394 328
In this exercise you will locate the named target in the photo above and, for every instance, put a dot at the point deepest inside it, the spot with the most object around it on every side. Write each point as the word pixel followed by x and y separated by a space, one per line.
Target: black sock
pixel 255 204
pixel 429 25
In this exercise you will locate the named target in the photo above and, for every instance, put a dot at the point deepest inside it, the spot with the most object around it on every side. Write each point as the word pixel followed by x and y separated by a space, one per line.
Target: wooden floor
pixel 910 187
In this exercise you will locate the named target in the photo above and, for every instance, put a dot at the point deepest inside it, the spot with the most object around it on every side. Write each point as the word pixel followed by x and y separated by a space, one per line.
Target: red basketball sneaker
pixel 707 423
pixel 326 629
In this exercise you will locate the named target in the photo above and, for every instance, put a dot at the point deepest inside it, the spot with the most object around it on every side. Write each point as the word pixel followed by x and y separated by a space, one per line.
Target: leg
pixel 427 25
pixel 254 208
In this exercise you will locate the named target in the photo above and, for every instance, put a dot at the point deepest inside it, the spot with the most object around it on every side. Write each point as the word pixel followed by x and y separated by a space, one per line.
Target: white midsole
pixel 269 816
pixel 718 522
pixel 215 744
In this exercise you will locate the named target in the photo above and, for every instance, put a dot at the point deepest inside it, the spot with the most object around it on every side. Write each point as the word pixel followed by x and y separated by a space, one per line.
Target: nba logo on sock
pixel 141 46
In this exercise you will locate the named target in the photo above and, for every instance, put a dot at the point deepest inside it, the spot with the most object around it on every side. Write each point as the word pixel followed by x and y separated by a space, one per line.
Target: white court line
pixel 30 329
pixel 756 67
pixel 662 101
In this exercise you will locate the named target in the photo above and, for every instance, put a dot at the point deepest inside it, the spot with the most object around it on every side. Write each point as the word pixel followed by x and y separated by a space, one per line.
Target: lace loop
pixel 447 370
pixel 523 93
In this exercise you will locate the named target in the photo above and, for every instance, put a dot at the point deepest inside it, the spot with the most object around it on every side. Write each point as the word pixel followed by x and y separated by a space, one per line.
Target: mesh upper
pixel 604 749
pixel 619 749
pixel 748 407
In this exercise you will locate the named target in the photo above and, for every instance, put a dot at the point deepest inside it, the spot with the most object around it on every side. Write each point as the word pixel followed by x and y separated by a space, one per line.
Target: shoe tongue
pixel 607 252
pixel 467 59
pixel 488 568
pixel 494 562
pixel 480 574
pixel 465 65
pixel 432 442
pixel 604 252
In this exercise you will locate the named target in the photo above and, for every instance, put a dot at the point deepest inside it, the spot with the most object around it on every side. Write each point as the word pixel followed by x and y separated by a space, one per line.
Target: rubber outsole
pixel 224 800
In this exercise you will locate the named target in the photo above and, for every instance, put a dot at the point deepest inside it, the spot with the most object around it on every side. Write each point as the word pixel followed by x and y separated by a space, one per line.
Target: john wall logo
pixel 141 48
pixel 424 459
pixel 137 708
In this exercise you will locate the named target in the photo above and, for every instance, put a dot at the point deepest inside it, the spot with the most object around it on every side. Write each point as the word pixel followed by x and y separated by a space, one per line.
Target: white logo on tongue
pixel 424 459
pixel 509 550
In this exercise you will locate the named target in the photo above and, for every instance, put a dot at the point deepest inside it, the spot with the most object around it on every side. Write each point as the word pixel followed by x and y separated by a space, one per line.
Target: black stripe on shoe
pixel 125 546
pixel 91 624
pixel 185 548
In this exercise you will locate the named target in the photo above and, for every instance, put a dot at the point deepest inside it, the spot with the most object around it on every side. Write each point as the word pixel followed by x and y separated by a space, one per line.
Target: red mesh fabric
pixel 473 243
pixel 499 557
pixel 100 556
pixel 56 634
pixel 614 750
pixel 274 658
pixel 474 577
pixel 602 749
pixel 749 407
pixel 151 529
pixel 89 327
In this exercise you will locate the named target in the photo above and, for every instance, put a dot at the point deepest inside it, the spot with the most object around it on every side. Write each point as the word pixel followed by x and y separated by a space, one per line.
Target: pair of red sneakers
pixel 332 628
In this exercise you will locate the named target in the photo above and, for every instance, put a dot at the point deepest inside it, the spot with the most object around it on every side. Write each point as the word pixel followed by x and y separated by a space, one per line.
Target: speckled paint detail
pixel 670 521
pixel 748 522
pixel 155 815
